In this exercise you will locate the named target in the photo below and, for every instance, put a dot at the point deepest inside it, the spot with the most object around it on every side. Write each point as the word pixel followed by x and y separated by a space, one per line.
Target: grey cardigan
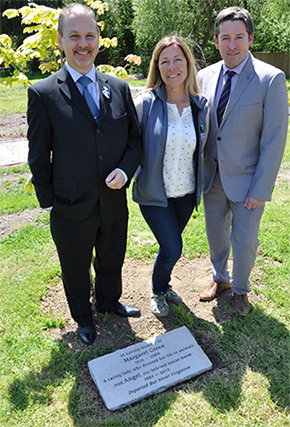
pixel 148 187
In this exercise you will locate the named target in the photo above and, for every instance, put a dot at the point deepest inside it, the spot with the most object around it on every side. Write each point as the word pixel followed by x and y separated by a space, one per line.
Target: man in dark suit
pixel 248 130
pixel 83 150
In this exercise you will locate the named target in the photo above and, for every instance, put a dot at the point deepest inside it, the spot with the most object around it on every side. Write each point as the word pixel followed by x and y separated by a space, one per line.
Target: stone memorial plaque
pixel 143 369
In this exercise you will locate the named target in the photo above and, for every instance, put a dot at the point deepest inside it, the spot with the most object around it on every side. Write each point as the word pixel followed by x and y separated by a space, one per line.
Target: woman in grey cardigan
pixel 172 117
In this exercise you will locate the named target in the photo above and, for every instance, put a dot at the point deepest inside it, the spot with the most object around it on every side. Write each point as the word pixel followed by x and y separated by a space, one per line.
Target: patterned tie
pixel 224 99
pixel 84 80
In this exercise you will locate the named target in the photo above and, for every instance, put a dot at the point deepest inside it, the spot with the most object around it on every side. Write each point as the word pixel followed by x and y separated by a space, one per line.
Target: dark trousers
pixel 167 225
pixel 75 242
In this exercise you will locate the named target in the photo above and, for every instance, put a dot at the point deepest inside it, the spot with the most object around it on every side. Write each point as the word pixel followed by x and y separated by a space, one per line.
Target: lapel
pixel 70 90
pixel 211 93
pixel 105 94
pixel 244 79
pixel 213 79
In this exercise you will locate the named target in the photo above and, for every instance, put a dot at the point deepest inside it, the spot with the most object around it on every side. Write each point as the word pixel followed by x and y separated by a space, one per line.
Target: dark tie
pixel 224 99
pixel 84 80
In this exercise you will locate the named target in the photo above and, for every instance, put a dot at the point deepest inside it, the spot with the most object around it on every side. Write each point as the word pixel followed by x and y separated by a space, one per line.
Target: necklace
pixel 177 105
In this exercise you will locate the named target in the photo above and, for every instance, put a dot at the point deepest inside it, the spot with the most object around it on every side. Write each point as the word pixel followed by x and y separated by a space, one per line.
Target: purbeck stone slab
pixel 13 152
pixel 146 368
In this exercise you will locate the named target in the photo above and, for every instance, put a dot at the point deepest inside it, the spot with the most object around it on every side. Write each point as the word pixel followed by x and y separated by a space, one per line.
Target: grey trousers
pixel 230 224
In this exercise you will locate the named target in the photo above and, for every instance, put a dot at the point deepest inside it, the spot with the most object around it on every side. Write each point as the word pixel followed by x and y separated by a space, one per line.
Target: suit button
pixel 98 130
pixel 219 138
pixel 100 157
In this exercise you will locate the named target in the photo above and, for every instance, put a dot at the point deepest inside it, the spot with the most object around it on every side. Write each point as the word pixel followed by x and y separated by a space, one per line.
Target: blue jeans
pixel 167 225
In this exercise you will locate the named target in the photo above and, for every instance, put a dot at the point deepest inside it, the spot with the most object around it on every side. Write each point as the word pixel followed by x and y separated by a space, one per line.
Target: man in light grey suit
pixel 249 118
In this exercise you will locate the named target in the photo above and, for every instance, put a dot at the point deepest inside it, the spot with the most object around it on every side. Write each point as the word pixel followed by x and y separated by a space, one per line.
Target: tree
pixel 191 19
pixel 41 22
pixel 119 23
pixel 13 27
pixel 194 20
pixel 272 26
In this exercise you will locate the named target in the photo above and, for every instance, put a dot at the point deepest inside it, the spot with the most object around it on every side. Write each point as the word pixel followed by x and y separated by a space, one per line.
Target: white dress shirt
pixel 223 79
pixel 92 85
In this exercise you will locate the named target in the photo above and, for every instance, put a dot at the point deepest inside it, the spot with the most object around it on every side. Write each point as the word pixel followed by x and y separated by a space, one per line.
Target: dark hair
pixel 234 13
pixel 154 78
pixel 74 9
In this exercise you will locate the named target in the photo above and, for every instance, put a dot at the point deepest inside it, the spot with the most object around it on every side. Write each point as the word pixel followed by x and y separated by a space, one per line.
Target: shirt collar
pixel 238 69
pixel 76 75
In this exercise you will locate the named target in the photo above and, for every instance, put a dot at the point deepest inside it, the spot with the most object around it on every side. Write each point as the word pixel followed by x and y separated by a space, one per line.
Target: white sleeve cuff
pixel 124 174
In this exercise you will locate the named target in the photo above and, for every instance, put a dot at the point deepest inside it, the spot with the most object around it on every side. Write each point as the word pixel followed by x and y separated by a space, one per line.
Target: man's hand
pixel 115 180
pixel 252 203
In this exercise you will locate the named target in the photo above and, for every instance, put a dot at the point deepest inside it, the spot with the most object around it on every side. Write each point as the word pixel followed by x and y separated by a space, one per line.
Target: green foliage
pixel 191 19
pixel 40 22
pixel 42 44
pixel 288 90
pixel 12 26
pixel 194 20
pixel 272 29
pixel 28 185
pixel 119 23
pixel 118 71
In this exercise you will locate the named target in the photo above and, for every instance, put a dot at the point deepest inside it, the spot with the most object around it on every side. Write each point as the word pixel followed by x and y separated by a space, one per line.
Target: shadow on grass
pixel 37 387
pixel 68 369
pixel 259 342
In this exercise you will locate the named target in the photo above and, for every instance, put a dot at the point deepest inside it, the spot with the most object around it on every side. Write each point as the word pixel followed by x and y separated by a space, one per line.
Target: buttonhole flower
pixel 106 92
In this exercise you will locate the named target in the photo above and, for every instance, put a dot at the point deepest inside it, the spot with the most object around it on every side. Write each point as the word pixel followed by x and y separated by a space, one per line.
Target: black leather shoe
pixel 87 334
pixel 127 311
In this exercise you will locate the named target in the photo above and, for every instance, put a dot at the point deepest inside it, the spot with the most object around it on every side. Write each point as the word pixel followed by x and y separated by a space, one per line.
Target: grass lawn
pixel 14 99
pixel 40 378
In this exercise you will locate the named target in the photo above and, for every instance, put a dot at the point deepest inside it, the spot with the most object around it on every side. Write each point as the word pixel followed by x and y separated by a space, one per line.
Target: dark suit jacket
pixel 70 155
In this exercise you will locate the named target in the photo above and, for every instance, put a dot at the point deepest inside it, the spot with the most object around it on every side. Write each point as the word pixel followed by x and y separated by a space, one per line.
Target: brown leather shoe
pixel 214 290
pixel 241 304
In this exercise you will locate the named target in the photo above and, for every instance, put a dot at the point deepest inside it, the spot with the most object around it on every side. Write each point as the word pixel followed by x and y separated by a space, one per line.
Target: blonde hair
pixel 154 78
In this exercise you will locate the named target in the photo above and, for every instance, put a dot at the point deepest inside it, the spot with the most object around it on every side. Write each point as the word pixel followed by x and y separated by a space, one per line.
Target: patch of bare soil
pixel 189 278
pixel 13 126
pixel 13 221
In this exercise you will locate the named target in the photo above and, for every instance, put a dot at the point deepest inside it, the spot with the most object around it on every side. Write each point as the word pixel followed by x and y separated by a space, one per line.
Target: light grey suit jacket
pixel 250 142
